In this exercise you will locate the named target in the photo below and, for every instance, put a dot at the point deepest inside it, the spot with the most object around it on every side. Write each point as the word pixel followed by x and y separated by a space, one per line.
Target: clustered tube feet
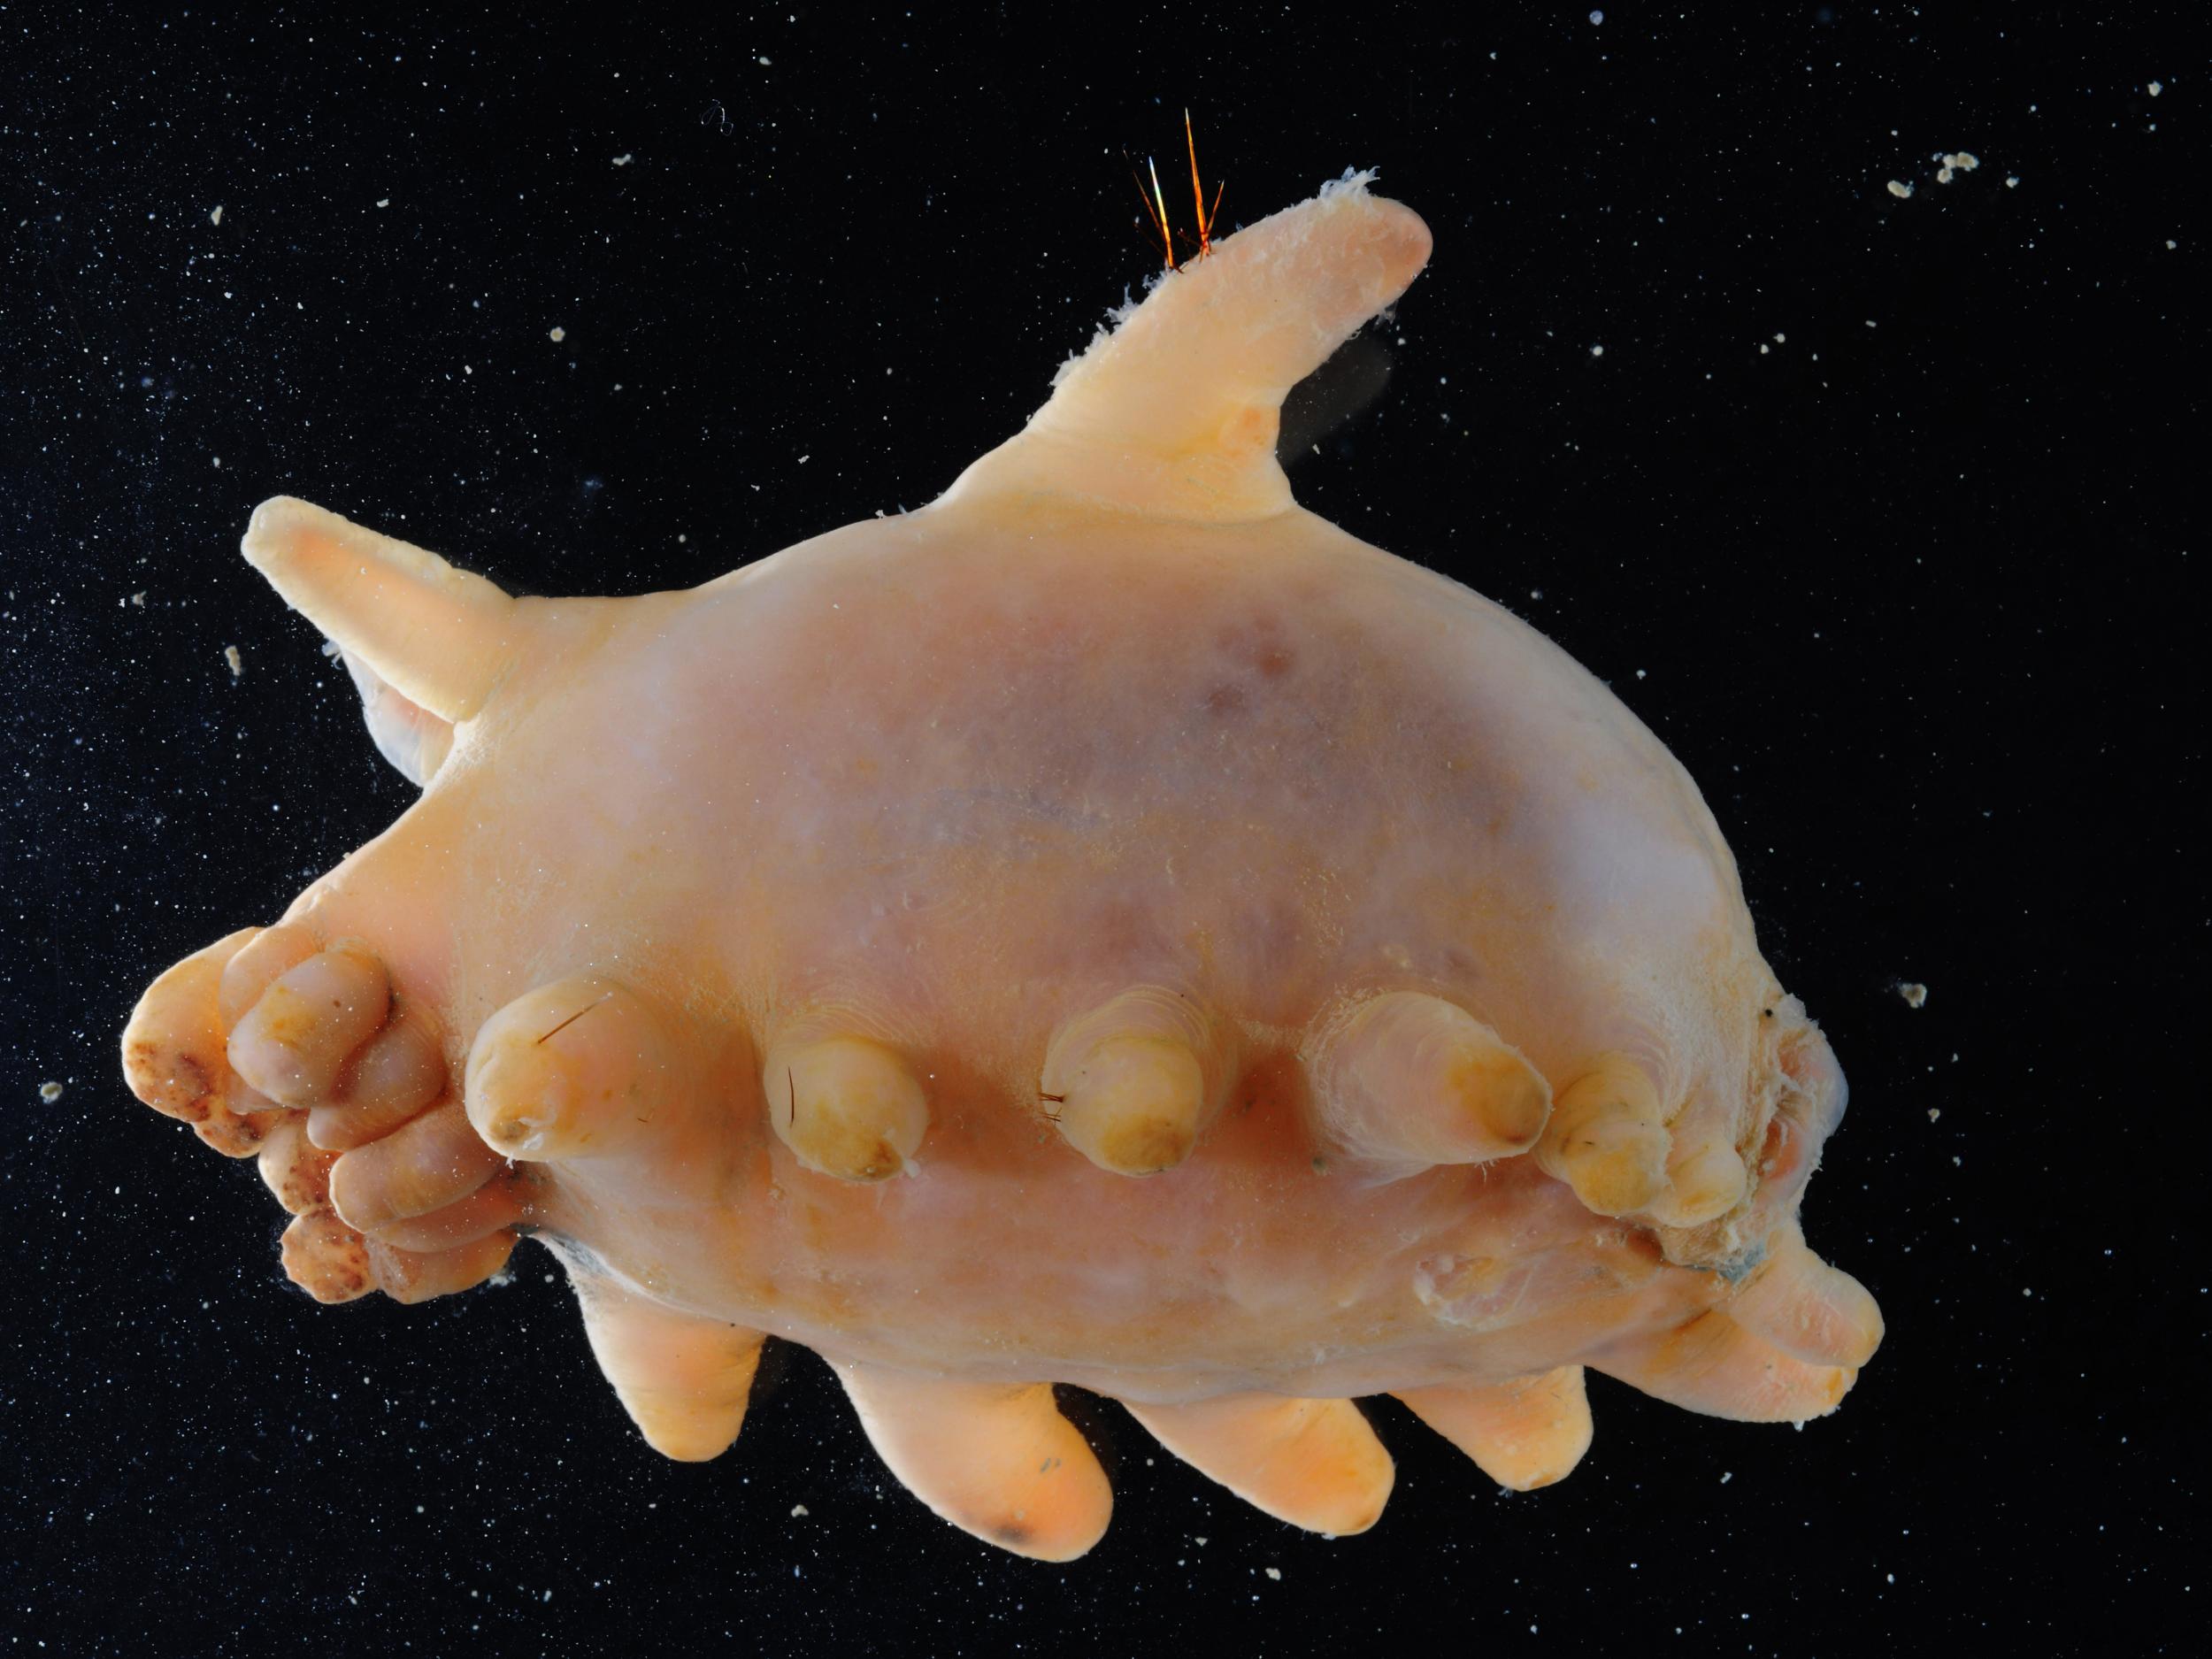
pixel 272 1042
pixel 276 1042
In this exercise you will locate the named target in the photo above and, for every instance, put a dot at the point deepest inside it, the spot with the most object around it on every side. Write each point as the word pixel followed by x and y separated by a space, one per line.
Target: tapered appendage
pixel 1129 1084
pixel 1716 1366
pixel 997 1461
pixel 684 1380
pixel 1705 1178
pixel 1523 1434
pixel 1607 1138
pixel 846 1106
pixel 583 1068
pixel 1808 1309
pixel 1314 1463
pixel 1409 1079
pixel 293 1042
pixel 175 1061
pixel 440 637
pixel 1176 413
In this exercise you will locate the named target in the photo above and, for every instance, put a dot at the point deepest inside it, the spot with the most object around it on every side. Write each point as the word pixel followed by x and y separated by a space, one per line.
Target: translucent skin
pixel 1112 713
pixel 971 771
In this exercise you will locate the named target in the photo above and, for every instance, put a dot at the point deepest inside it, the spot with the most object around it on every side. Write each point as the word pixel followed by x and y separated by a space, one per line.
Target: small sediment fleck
pixel 556 334
pixel 50 1091
pixel 236 659
pixel 1915 994
pixel 1899 190
pixel 216 218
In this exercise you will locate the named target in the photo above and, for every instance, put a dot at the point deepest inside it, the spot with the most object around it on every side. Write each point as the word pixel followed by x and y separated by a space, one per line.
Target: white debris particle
pixel 1963 161
pixel 2012 182
pixel 237 662
pixel 219 460
pixel 1275 1573
pixel 1764 349
pixel 139 599
pixel 384 201
pixel 624 161
pixel 1597 351
pixel 798 1509
pixel 2171 244
pixel 1779 339
pixel 804 459
pixel 2156 87
pixel 1727 1476
pixel 1915 994
pixel 1200 1542
pixel 1597 17
pixel 1934 1112
pixel 216 218
pixel 50 1091
pixel 1869 322
pixel 556 333
pixel 1901 191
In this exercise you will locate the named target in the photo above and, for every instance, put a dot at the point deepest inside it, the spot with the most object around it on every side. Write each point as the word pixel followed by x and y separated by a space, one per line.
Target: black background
pixel 1911 593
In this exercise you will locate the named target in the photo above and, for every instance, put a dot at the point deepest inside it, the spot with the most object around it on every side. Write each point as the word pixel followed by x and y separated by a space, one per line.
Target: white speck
pixel 2027 1290
pixel 762 62
pixel 1763 350
pixel 556 333
pixel 384 201
pixel 2171 244
pixel 1916 996
pixel 1901 191
pixel 1934 1112
pixel 2012 182
pixel 798 1509
pixel 1728 1477
pixel 216 218
pixel 1597 351
pixel 1779 339
pixel 1275 1573
pixel 804 459
pixel 237 662
pixel 1640 673
pixel 1869 322
pixel 139 599
pixel 219 460
pixel 1596 18
pixel 624 161
pixel 2156 87
pixel 50 1091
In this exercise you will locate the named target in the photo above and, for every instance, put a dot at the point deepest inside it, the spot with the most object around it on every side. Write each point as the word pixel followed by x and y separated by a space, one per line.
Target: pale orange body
pixel 1109 927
